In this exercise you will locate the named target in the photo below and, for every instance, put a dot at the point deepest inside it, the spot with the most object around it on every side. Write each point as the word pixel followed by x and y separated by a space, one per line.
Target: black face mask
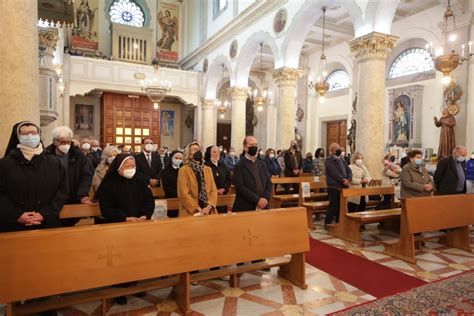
pixel 338 152
pixel 197 156
pixel 321 155
pixel 294 147
pixel 252 151
pixel 309 158
pixel 392 158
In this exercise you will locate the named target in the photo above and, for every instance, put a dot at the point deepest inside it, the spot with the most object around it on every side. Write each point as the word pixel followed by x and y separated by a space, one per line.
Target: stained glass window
pixel 126 12
pixel 338 79
pixel 409 62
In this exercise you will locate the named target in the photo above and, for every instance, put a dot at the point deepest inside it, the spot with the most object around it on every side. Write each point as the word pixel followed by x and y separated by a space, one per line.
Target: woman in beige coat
pixel 415 180
pixel 360 177
pixel 108 155
pixel 197 190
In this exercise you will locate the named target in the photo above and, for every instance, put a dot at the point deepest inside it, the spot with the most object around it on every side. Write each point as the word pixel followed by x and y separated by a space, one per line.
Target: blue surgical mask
pixel 31 141
pixel 418 162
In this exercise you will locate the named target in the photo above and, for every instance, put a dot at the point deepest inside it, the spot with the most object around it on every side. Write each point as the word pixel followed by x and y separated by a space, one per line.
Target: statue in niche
pixel 351 136
pixel 401 118
pixel 299 113
pixel 354 105
pixel 298 139
pixel 447 140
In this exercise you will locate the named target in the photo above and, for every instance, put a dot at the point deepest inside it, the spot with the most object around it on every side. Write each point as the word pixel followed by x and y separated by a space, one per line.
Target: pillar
pixel 371 52
pixel 239 97
pixel 209 124
pixel 19 63
pixel 470 109
pixel 286 80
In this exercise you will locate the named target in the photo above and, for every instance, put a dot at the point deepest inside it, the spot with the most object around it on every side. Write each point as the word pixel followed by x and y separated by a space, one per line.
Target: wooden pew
pixel 276 200
pixel 89 258
pixel 158 193
pixel 349 224
pixel 313 207
pixel 453 213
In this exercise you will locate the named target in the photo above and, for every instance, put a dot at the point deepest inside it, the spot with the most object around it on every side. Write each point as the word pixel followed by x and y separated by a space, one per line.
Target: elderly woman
pixel 360 177
pixel 107 157
pixel 196 187
pixel 415 180
pixel 221 173
pixel 319 162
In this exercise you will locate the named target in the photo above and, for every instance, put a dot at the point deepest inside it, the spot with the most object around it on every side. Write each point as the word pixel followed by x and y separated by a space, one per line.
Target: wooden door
pixel 126 119
pixel 224 131
pixel 336 133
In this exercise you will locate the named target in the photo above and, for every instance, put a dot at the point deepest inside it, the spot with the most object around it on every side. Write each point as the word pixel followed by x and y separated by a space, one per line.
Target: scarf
pixel 28 152
pixel 199 172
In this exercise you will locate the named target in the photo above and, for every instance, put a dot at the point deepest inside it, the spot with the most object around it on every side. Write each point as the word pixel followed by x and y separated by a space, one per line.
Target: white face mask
pixel 271 156
pixel 232 154
pixel 110 159
pixel 129 173
pixel 358 162
pixel 148 147
pixel 64 148
pixel 472 157
pixel 177 162
pixel 86 146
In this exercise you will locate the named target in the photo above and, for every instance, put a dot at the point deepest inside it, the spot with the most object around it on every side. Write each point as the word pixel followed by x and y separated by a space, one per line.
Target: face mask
pixel 294 146
pixel 404 154
pixel 321 155
pixel 338 152
pixel 31 141
pixel 110 159
pixel 418 162
pixel 472 157
pixel 461 158
pixel 148 147
pixel 64 148
pixel 197 156
pixel 261 153
pixel 177 162
pixel 129 173
pixel 271 156
pixel 343 154
pixel 358 162
pixel 232 154
pixel 86 146
pixel 309 157
pixel 220 149
pixel 252 151
pixel 95 149
pixel 392 158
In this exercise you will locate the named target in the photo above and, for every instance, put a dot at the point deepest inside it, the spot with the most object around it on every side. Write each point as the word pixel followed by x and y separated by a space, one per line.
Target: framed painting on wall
pixel 84 118
pixel 167 123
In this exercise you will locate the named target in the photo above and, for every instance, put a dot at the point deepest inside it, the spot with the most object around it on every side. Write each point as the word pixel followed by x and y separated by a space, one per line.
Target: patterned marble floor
pixel 264 293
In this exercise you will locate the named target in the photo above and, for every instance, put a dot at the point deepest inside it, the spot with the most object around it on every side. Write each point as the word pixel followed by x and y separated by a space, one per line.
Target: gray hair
pixel 61 132
pixel 108 152
pixel 187 151
pixel 458 148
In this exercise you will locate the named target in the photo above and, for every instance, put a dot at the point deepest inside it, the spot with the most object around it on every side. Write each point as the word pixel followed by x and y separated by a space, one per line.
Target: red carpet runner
pixel 370 277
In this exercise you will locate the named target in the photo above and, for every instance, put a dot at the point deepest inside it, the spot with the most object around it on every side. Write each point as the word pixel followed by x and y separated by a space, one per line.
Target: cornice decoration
pixel 47 39
pixel 287 76
pixel 372 45
pixel 237 93
pixel 208 103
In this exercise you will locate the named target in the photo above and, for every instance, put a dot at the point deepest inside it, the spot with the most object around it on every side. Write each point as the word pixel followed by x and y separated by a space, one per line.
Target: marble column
pixel 286 80
pixel 239 97
pixel 209 123
pixel 371 52
pixel 19 63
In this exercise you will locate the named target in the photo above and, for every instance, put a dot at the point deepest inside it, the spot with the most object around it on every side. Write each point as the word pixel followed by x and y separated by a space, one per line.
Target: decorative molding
pixel 287 76
pixel 239 93
pixel 372 45
pixel 234 28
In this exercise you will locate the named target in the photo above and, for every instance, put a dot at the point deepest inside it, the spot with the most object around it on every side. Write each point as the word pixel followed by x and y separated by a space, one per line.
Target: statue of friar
pixel 447 140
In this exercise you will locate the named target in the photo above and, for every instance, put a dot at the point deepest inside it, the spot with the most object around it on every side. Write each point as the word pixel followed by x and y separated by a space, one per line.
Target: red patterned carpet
pixel 371 277
pixel 450 296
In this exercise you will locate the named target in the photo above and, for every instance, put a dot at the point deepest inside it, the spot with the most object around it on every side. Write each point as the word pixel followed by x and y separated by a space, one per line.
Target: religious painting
pixel 401 114
pixel 84 118
pixel 167 45
pixel 167 123
pixel 85 32
pixel 205 65
pixel 279 22
pixel 233 49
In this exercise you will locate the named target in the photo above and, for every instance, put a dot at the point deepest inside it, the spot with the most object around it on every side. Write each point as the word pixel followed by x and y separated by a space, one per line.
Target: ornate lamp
pixel 259 97
pixel 321 86
pixel 155 88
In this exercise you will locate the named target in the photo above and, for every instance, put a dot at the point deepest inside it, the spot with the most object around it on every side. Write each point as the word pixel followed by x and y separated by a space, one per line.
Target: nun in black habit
pixel 33 185
pixel 122 196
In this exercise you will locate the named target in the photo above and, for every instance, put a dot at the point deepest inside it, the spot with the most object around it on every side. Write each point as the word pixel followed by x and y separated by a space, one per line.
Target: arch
pixel 249 51
pixel 214 75
pixel 302 22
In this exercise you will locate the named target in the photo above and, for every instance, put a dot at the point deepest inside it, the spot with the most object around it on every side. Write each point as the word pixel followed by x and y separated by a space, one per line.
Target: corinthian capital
pixel 47 39
pixel 239 93
pixel 208 103
pixel 372 45
pixel 286 76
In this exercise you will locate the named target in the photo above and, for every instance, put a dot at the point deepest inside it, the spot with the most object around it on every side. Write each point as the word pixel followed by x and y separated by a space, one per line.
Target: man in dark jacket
pixel 79 169
pixel 32 184
pixel 148 162
pixel 338 176
pixel 251 179
pixel 450 174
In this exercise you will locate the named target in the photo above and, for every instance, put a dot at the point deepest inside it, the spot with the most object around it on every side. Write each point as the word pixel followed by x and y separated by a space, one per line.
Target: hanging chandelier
pixel 447 63
pixel 321 85
pixel 222 104
pixel 155 88
pixel 260 97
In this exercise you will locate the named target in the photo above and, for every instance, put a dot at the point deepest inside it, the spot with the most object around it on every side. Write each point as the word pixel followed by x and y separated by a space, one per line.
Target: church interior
pixel 332 138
